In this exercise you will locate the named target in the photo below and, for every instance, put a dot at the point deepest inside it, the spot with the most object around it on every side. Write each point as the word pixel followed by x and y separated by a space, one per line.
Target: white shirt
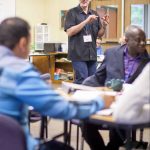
pixel 134 105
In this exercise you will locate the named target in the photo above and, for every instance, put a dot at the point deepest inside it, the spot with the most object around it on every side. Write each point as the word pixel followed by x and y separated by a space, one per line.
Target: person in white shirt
pixel 134 105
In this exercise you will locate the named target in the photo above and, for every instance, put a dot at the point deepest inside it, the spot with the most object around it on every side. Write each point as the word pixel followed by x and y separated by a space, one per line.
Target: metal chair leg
pixel 77 136
pixel 46 127
pixel 82 143
pixel 69 136
pixel 77 144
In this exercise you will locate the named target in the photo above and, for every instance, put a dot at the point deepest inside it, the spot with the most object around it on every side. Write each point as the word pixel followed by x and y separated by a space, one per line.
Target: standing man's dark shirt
pixel 78 50
pixel 82 26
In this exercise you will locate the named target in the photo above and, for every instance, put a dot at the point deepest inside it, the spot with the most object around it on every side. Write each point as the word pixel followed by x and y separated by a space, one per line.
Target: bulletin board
pixel 7 9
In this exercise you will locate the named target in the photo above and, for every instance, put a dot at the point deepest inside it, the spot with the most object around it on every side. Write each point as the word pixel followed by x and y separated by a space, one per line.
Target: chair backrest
pixel 11 134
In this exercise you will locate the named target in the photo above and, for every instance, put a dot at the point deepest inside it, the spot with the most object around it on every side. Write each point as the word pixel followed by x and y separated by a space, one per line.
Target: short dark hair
pixel 11 30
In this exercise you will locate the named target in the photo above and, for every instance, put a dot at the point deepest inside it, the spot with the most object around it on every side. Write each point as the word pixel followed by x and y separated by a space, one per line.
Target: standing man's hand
pixel 105 21
pixel 77 28
pixel 91 18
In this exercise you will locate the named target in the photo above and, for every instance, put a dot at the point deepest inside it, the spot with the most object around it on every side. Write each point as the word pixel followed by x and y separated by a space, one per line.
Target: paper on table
pixel 85 96
pixel 69 87
pixel 105 112
pixel 80 96
pixel 66 86
pixel 110 93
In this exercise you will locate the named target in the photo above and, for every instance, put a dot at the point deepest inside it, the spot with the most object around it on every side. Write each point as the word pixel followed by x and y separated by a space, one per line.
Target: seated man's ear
pixel 22 48
pixel 23 44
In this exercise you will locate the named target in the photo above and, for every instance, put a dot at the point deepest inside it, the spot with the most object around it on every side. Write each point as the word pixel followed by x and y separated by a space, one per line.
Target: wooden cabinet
pixel 57 64
pixel 41 62
pixel 113 30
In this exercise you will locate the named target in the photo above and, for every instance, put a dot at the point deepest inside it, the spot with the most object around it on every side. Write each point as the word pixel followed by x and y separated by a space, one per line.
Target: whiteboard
pixel 7 9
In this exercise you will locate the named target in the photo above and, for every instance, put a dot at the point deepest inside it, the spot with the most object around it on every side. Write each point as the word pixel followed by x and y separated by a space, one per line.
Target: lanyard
pixel 87 29
pixel 87 26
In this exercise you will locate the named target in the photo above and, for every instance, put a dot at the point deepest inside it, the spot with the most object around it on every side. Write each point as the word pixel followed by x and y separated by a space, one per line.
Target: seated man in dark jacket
pixel 123 62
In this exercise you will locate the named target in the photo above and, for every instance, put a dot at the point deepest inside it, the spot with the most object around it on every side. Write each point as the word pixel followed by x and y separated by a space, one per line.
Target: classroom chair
pixel 78 123
pixel 11 134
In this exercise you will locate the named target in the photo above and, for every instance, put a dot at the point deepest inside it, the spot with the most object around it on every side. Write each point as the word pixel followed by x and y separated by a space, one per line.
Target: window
pixel 140 16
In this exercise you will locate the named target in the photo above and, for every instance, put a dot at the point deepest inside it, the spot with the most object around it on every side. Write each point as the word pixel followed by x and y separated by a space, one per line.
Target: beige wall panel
pixel 34 11
pixel 54 18
pixel 48 11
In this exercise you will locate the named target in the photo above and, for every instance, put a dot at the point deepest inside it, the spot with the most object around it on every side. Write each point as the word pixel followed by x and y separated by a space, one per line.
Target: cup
pixel 115 84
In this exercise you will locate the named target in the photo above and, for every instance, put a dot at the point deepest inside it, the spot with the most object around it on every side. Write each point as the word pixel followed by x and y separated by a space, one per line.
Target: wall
pixel 53 12
pixel 33 11
pixel 38 11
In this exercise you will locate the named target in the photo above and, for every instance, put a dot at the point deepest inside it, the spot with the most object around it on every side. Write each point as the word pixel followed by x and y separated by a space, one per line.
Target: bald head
pixel 133 30
pixel 135 39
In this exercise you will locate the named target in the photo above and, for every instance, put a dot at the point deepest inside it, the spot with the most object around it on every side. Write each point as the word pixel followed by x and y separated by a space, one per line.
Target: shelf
pixel 52 64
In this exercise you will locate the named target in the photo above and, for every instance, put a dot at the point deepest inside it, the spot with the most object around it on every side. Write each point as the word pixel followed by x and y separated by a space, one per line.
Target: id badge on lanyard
pixel 87 37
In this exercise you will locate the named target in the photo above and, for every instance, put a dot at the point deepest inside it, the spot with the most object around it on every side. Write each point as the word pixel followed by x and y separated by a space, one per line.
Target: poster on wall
pixel 7 9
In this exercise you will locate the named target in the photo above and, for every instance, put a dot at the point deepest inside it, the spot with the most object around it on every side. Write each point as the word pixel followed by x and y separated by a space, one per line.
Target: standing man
pixel 83 26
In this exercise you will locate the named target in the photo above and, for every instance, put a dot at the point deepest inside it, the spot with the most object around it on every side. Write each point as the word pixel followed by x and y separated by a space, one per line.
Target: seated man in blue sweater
pixel 21 85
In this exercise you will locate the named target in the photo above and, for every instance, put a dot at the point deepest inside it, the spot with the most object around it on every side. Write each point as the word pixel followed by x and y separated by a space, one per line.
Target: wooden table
pixel 109 122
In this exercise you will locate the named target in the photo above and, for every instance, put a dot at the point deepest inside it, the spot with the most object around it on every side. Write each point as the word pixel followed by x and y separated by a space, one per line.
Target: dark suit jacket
pixel 113 67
